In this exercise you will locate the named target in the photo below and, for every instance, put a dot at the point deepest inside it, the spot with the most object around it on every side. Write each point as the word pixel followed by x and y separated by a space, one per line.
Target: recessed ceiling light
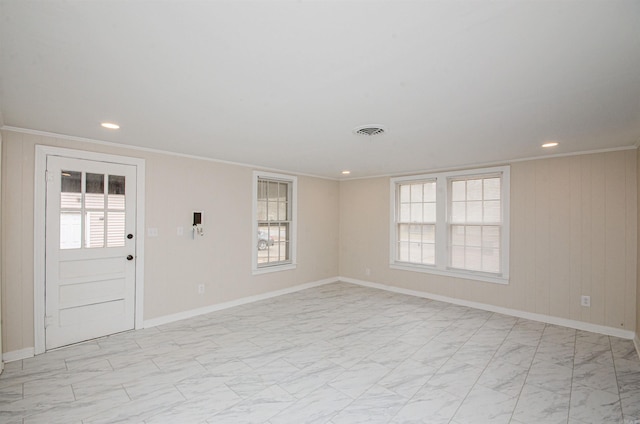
pixel 550 144
pixel 110 125
pixel 346 172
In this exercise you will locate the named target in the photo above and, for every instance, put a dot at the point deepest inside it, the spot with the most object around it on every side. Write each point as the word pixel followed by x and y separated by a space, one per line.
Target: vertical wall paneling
pixel 518 241
pixel 26 220
pixel 615 246
pixel 12 243
pixel 559 207
pixel 576 238
pixel 586 234
pixel 598 238
pixel 530 235
pixel 631 231
pixel 541 223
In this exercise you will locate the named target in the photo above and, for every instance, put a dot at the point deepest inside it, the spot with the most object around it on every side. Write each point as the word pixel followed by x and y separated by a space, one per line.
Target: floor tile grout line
pixel 515 408
pixel 485 367
pixel 615 373
pixel 573 367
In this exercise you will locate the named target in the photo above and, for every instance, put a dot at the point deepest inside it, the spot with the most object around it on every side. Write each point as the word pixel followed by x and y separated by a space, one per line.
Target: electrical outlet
pixel 585 301
pixel 367 271
pixel 200 288
pixel 152 232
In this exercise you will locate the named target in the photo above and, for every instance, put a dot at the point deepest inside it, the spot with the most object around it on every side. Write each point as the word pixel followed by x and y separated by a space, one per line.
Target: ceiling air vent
pixel 369 130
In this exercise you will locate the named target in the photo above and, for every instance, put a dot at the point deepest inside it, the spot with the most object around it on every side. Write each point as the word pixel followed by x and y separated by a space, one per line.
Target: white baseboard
pixel 636 341
pixel 16 355
pixel 153 322
pixel 579 325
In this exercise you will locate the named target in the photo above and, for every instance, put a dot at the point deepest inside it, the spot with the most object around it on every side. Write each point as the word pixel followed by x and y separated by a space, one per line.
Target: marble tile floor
pixel 337 354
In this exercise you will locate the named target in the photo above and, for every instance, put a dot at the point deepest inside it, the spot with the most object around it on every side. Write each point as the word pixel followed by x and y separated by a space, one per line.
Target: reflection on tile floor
pixel 338 354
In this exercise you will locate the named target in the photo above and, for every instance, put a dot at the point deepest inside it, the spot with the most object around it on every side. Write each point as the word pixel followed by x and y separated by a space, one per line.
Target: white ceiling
pixel 282 84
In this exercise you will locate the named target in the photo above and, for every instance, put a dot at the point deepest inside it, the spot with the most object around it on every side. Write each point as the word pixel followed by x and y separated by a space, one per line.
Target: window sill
pixel 274 268
pixel 468 275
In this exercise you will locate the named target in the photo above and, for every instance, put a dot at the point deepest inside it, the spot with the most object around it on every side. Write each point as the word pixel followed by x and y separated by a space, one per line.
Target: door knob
pixel 129 257
pixel 129 236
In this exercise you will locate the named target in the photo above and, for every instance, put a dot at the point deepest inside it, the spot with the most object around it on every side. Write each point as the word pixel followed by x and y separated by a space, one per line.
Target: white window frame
pixel 442 250
pixel 292 262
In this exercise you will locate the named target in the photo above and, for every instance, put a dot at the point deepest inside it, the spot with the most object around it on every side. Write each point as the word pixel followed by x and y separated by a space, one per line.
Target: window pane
pixel 474 189
pixel 473 258
pixel 429 212
pixel 457 235
pixel 430 192
pixel 94 229
pixel 416 192
pixel 71 182
pixel 404 193
pixel 70 200
pixel 491 260
pixel 415 253
pixel 458 212
pixel 458 191
pixel 70 196
pixel 282 211
pixel 272 211
pixel 70 230
pixel 474 212
pixel 115 229
pixel 403 232
pixel 405 212
pixel 416 212
pixel 95 183
pixel 457 257
pixel 94 197
pixel 492 211
pixel 283 192
pixel 473 236
pixel 272 190
pixel 273 243
pixel 492 189
pixel 428 233
pixel 116 184
pixel 94 201
pixel 403 251
pixel 115 197
pixel 429 254
pixel 262 190
pixel 415 233
pixel 491 237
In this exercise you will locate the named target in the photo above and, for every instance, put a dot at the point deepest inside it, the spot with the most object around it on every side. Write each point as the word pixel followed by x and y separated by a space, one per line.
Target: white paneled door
pixel 90 250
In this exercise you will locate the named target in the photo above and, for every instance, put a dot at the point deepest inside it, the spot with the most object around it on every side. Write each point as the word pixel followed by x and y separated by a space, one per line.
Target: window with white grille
pixel 452 223
pixel 416 226
pixel 274 220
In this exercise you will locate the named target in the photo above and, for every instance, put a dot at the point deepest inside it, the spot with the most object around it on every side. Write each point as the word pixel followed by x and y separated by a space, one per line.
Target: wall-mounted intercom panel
pixel 198 223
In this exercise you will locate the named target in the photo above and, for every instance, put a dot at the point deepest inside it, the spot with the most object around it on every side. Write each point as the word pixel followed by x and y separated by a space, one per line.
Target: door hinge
pixel 48 320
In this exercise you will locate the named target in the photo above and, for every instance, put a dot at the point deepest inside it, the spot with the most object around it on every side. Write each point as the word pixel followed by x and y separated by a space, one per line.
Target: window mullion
pixel 442 224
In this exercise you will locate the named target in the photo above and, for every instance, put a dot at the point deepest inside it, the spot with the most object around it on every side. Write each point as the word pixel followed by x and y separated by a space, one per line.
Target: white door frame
pixel 39 227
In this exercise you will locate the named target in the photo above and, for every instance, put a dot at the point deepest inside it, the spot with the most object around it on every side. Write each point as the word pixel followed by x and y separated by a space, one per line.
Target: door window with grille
pixel 92 210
